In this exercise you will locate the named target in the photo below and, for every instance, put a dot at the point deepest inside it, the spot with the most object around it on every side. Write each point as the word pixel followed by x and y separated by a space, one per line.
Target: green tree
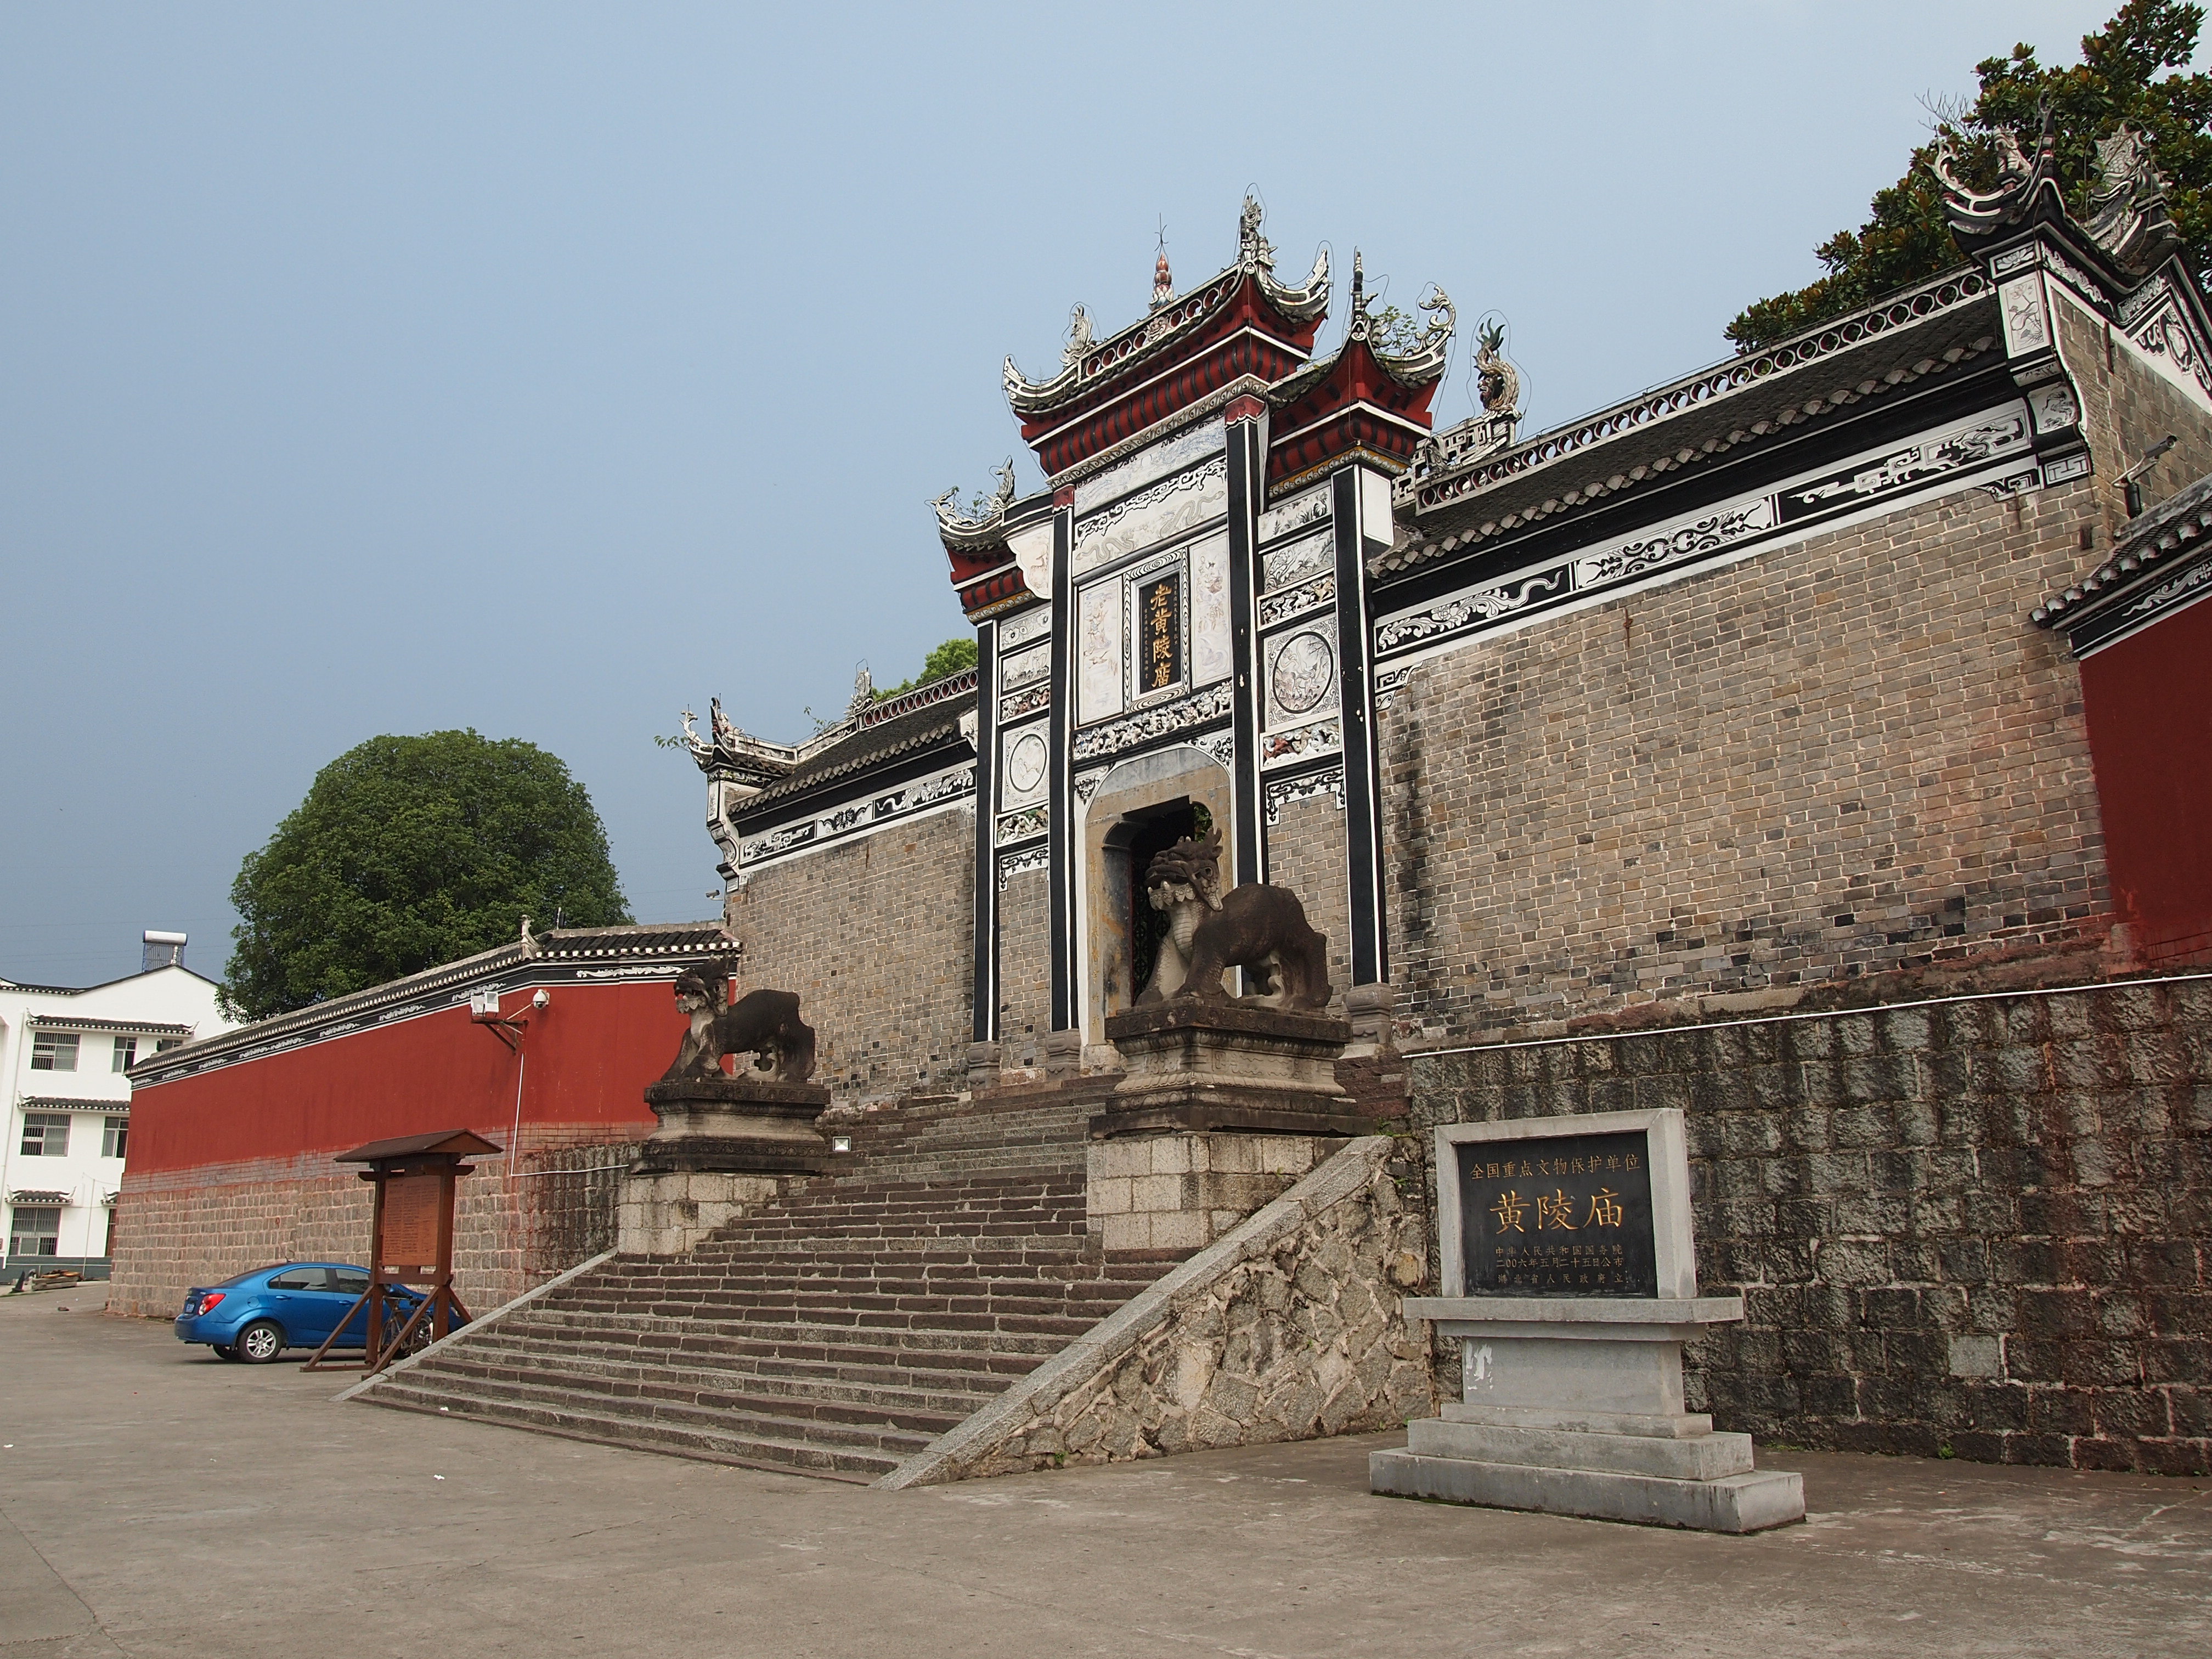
pixel 409 852
pixel 1907 239
pixel 952 657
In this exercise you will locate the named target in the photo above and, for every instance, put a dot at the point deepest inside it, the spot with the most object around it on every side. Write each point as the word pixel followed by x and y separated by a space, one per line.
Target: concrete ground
pixel 155 1501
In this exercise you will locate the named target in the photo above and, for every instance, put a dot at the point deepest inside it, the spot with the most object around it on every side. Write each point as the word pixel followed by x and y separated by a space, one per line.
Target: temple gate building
pixel 1727 692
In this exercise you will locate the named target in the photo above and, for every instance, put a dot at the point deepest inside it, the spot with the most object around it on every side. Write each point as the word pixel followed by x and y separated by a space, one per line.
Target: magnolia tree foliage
pixel 2120 79
pixel 409 852
pixel 952 657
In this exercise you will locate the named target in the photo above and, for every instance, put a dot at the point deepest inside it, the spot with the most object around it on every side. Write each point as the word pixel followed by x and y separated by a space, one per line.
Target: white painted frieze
pixel 1183 503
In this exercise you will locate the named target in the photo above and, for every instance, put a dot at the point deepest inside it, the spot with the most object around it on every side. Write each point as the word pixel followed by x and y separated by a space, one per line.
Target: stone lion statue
pixel 763 1023
pixel 1259 928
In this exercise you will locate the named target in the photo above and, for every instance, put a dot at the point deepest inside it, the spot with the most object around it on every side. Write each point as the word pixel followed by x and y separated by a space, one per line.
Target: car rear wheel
pixel 260 1342
pixel 224 1351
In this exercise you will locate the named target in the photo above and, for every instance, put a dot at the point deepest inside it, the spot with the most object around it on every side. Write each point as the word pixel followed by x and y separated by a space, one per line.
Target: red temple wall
pixel 232 1168
pixel 2150 704
pixel 586 1060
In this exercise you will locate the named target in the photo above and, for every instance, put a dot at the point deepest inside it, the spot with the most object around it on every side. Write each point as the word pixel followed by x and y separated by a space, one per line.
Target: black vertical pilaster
pixel 984 1024
pixel 1362 813
pixel 1248 462
pixel 1058 845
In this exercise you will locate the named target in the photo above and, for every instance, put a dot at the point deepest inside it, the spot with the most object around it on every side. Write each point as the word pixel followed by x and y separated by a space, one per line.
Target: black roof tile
pixel 1662 434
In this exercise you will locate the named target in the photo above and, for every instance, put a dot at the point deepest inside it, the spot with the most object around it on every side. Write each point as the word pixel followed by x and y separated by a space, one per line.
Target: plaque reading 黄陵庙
pixel 1565 1215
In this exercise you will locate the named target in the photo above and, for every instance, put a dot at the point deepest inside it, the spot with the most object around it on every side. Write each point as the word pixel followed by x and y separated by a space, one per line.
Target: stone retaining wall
pixel 1979 1227
pixel 1287 1328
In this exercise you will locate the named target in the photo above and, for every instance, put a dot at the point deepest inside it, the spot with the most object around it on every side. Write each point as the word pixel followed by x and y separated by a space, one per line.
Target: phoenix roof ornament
pixel 1255 252
pixel 1497 382
pixel 1979 215
pixel 2128 213
pixel 985 516
pixel 730 752
pixel 1079 337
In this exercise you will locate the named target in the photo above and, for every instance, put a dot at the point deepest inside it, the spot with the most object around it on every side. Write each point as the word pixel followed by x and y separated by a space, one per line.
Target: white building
pixel 66 1054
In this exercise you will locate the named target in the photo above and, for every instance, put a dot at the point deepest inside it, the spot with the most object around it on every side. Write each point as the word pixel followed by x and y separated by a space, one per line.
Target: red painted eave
pixel 969 562
pixel 1357 376
pixel 1246 309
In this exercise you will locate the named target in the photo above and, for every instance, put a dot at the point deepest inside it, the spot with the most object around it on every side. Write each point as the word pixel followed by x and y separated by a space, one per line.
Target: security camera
pixel 541 1000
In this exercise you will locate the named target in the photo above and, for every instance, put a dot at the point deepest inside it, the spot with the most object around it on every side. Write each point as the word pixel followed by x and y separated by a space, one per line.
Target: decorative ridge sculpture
pixel 1977 216
pixel 984 519
pixel 1084 357
pixel 2129 217
pixel 730 752
pixel 1431 350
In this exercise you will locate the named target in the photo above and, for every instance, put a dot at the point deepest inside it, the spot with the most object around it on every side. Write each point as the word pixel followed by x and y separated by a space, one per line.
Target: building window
pixel 165 1044
pixel 126 1052
pixel 35 1232
pixel 53 1051
pixel 45 1134
pixel 113 1136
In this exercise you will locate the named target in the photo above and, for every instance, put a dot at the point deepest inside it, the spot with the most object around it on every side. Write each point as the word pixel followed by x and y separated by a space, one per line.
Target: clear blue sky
pixel 547 368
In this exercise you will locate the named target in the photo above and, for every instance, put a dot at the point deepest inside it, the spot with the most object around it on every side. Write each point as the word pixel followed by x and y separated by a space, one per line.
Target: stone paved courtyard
pixel 158 1502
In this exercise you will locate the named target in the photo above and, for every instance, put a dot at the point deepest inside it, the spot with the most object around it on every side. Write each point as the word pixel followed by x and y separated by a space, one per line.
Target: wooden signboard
pixel 410 1229
pixel 410 1242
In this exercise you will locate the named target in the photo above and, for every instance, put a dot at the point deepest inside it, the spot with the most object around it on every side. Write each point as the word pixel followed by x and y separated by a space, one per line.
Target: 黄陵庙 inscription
pixel 1567 1215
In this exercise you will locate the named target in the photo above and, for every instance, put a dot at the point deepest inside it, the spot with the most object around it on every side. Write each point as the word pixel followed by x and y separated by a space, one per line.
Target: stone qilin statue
pixel 763 1023
pixel 1259 928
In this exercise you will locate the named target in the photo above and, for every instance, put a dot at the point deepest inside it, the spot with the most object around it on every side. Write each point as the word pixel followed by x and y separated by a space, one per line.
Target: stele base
pixel 1573 1406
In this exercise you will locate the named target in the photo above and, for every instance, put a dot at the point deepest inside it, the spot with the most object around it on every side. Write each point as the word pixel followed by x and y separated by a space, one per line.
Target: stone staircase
pixel 833 1333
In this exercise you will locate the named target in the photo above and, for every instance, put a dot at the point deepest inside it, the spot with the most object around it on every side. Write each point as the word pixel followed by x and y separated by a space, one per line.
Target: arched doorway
pixel 1140 808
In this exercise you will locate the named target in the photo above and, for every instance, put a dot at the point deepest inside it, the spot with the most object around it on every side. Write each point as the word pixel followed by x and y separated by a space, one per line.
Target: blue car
pixel 256 1315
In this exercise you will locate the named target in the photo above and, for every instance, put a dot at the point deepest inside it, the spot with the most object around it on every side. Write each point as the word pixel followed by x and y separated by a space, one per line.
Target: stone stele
pixel 1570 1282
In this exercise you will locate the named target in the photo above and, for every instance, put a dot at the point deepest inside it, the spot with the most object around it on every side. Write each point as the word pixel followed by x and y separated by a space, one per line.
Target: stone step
pixel 832 1333
pixel 847 1412
pixel 862 1321
pixel 658 1332
pixel 1000 1354
pixel 791 1454
pixel 704 1303
pixel 711 1411
pixel 847 1382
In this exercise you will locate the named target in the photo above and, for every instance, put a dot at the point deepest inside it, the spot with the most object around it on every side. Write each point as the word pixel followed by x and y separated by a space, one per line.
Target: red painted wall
pixel 2148 701
pixel 586 1060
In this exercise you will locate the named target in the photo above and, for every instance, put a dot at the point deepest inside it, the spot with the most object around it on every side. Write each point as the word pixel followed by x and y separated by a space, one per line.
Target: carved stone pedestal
pixel 724 1146
pixel 1206 1066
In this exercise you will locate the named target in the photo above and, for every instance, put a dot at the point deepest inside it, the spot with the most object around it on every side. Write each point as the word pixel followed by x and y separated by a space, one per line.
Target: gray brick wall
pixel 2125 408
pixel 1025 970
pixel 873 935
pixel 1850 755
pixel 1305 854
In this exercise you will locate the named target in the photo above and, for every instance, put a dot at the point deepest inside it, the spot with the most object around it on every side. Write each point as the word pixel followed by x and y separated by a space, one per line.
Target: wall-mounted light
pixel 840 1143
